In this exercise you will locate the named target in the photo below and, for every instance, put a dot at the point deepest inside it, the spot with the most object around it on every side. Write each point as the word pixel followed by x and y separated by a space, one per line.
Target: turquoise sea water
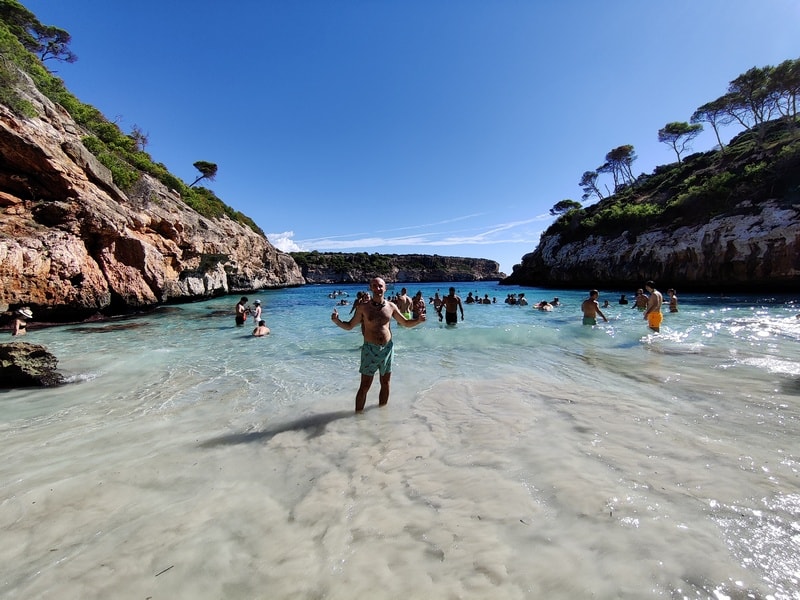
pixel 522 455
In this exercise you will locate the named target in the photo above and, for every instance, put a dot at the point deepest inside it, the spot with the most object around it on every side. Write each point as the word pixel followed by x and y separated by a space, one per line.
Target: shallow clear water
pixel 522 455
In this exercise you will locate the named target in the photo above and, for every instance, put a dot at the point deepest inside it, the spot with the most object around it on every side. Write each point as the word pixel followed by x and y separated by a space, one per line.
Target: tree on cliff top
pixel 754 97
pixel 588 184
pixel 678 134
pixel 619 162
pixel 564 206
pixel 45 41
pixel 208 170
pixel 786 85
pixel 716 114
pixel 751 100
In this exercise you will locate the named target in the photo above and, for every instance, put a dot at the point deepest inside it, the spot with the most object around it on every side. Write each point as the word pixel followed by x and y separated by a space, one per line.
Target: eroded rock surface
pixel 72 244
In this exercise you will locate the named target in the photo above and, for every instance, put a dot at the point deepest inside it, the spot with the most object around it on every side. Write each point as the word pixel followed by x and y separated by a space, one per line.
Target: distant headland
pixel 360 267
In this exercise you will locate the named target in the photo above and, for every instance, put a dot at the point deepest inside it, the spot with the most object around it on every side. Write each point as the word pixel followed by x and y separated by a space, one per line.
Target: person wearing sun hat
pixel 257 311
pixel 21 320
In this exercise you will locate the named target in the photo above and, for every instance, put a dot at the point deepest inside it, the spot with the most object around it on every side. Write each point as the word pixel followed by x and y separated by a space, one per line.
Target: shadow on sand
pixel 314 425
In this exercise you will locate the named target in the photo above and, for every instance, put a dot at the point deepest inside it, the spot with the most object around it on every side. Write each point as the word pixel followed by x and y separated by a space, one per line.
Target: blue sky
pixel 416 126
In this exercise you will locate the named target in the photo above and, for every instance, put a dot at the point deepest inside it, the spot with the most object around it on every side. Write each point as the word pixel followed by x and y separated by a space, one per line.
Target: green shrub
pixel 719 184
pixel 789 152
pixel 173 183
pixel 93 145
pixel 123 174
pixel 755 171
pixel 16 103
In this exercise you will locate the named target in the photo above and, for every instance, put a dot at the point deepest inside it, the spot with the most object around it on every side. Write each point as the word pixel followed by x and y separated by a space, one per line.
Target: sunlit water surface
pixel 522 455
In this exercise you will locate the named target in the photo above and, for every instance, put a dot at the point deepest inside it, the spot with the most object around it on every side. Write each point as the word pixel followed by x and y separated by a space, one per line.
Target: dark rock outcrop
pixel 755 250
pixel 338 267
pixel 72 244
pixel 27 365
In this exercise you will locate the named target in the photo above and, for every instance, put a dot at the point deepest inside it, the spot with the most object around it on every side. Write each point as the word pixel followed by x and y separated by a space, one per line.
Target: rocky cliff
pixel 72 244
pixel 337 267
pixel 756 249
pixel 724 220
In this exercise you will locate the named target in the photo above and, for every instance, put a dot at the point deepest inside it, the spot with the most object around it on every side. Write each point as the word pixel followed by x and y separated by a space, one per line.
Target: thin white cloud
pixel 354 240
pixel 436 224
pixel 475 236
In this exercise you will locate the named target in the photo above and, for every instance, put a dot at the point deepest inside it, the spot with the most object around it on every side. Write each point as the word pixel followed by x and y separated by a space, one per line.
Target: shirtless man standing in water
pixel 375 317
pixel 451 305
pixel 591 309
pixel 652 313
pixel 404 303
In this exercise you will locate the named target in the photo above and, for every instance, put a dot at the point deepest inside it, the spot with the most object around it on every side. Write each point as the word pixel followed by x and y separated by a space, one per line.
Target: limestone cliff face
pixel 412 268
pixel 754 248
pixel 72 244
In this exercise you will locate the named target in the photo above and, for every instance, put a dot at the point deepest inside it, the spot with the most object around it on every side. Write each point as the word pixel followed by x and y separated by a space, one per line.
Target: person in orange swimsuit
pixel 652 313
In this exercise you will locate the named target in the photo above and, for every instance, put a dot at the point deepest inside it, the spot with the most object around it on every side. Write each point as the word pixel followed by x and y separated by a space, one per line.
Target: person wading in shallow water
pixel 591 309
pixel 21 321
pixel 375 317
pixel 673 300
pixel 653 314
pixel 241 311
pixel 451 305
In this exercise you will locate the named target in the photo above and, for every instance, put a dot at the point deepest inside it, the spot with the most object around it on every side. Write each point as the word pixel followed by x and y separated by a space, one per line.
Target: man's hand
pixel 335 315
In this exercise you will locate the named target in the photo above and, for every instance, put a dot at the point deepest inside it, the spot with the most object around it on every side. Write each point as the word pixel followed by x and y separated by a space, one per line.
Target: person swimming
pixel 261 329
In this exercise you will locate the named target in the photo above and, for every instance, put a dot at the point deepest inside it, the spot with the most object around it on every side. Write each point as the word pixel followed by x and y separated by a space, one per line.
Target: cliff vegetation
pixel 25 47
pixel 725 218
pixel 759 164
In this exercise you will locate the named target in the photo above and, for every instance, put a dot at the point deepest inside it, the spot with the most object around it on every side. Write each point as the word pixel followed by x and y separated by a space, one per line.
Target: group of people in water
pixel 448 307
pixel 648 300
pixel 412 307
pixel 641 299
pixel 373 311
pixel 242 311
pixel 374 314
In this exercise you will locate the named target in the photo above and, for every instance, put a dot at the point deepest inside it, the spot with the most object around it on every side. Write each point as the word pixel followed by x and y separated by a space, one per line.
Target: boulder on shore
pixel 27 365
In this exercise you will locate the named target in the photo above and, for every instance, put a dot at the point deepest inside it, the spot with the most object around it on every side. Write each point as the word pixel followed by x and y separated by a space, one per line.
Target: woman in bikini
pixel 20 321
